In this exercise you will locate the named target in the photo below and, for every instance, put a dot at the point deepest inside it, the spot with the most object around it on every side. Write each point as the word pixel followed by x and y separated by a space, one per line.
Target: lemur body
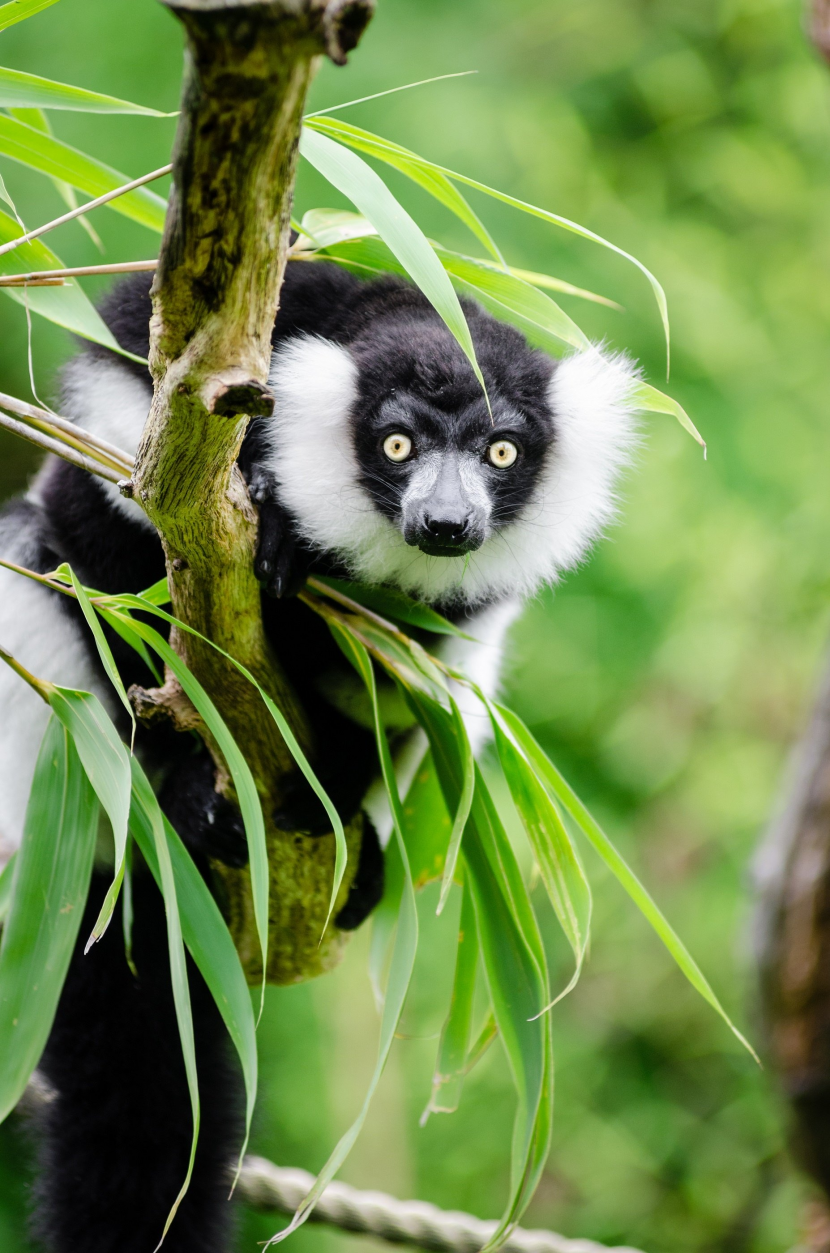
pixel 381 463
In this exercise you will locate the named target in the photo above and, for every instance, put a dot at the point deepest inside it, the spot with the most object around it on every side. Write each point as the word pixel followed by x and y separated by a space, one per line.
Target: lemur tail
pixel 115 1137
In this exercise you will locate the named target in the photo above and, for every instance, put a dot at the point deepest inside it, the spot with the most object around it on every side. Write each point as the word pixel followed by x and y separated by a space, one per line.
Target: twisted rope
pixel 264 1186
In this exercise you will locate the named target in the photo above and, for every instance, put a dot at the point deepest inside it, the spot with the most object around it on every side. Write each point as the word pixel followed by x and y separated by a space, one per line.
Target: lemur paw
pixel 302 811
pixel 207 822
pixel 280 562
pixel 367 885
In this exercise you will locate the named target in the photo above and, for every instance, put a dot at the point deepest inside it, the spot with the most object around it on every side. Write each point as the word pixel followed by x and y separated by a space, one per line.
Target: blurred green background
pixel 669 676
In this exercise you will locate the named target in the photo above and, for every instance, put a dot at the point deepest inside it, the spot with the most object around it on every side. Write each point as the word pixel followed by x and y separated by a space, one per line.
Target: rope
pixel 264 1186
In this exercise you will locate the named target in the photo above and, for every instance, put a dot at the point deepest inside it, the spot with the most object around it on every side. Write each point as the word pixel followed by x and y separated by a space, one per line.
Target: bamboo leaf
pixel 18 10
pixel 145 604
pixel 560 869
pixel 391 154
pixel 104 650
pixel 359 182
pixel 206 935
pixel 615 863
pixel 28 91
pixel 107 765
pixel 38 119
pixel 451 1065
pixel 68 305
pixel 513 957
pixel 465 801
pixel 403 953
pixel 31 147
pixel 391 603
pixel 561 285
pixel 243 780
pixel 154 819
pixel 50 883
pixel 644 396
pixel 6 876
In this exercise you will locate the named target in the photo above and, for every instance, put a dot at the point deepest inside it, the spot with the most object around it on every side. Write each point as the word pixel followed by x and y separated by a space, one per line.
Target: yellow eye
pixel 502 453
pixel 397 447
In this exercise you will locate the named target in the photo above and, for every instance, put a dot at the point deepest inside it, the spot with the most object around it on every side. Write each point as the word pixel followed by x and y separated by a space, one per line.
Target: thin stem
pixel 50 278
pixel 41 578
pixel 41 686
pixel 50 421
pixel 62 450
pixel 84 208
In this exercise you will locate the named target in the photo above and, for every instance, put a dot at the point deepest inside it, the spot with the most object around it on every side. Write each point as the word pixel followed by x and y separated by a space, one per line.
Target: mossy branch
pixel 215 294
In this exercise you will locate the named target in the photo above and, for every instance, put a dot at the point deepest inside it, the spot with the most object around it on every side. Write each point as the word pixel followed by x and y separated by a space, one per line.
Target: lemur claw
pixel 277 565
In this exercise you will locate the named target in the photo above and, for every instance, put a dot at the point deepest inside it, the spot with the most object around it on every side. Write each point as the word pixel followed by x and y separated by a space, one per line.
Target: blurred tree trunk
pixel 215 294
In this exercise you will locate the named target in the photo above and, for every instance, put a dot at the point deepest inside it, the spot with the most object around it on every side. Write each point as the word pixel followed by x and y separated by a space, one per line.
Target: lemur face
pixel 386 455
pixel 445 469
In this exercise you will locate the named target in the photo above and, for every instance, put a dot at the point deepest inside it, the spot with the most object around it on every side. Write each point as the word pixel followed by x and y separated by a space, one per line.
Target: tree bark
pixel 793 940
pixel 215 294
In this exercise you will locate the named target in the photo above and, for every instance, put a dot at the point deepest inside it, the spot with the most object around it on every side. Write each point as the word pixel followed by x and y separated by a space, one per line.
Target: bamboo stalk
pixel 51 422
pixel 61 450
pixel 44 278
pixel 84 208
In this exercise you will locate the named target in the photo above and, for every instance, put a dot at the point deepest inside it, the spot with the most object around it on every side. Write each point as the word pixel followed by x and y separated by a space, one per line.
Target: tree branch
pixel 792 871
pixel 215 294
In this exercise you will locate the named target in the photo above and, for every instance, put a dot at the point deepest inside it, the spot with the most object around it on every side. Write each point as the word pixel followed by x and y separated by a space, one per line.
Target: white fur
pixel 108 401
pixel 36 631
pixel 312 457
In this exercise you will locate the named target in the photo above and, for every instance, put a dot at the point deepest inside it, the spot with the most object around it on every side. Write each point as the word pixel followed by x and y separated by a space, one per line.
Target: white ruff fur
pixel 108 401
pixel 35 630
pixel 312 457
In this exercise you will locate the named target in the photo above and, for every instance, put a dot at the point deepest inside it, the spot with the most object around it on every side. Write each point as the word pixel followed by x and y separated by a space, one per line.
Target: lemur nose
pixel 447 530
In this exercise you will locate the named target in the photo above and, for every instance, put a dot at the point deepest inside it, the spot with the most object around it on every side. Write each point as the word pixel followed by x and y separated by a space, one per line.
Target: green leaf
pixel 513 957
pixel 359 182
pixel 68 305
pixel 331 226
pixel 153 818
pixel 206 935
pixel 427 825
pixel 561 285
pixel 465 801
pixel 451 1066
pixel 506 296
pixel 341 850
pixel 51 156
pixel 403 953
pixel 559 867
pixel 104 650
pixel 28 91
pixel 6 876
pixel 243 780
pixel 38 119
pixel 107 765
pixel 513 300
pixel 644 396
pixel 391 603
pixel 392 154
pixel 615 863
pixel 158 594
pixel 19 10
pixel 50 884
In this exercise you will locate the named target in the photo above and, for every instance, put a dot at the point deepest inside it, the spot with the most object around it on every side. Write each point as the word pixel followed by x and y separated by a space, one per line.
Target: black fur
pixel 116 1136
pixel 115 1139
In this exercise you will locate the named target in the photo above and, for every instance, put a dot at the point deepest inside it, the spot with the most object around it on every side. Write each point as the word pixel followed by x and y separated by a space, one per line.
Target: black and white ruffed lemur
pixel 380 463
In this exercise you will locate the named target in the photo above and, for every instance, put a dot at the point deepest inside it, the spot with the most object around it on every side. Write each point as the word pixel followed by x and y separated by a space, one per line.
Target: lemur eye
pixel 397 447
pixel 502 453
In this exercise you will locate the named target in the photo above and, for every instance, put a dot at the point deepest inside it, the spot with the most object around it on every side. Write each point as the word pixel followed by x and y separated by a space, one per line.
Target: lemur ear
pixel 310 450
pixel 596 433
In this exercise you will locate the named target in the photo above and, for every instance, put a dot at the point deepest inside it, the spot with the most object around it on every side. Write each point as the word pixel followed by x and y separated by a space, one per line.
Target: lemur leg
pixel 207 822
pixel 116 1136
